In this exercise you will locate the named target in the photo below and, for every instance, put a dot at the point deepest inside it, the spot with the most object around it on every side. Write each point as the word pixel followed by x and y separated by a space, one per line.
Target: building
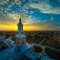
pixel 20 37
pixel 21 50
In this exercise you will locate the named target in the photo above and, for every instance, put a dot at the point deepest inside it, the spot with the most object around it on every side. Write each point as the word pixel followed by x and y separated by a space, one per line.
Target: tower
pixel 20 26
pixel 20 37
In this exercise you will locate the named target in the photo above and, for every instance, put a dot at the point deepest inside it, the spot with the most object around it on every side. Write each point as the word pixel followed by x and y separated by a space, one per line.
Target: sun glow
pixel 15 28
pixel 8 27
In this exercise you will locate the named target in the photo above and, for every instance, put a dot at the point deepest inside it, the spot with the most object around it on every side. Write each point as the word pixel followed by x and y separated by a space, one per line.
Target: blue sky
pixel 36 14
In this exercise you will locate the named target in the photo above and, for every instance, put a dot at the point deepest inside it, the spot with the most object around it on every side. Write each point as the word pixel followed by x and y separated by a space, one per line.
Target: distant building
pixel 21 50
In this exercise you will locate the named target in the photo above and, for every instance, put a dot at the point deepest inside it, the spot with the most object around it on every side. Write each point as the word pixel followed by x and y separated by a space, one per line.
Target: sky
pixel 37 15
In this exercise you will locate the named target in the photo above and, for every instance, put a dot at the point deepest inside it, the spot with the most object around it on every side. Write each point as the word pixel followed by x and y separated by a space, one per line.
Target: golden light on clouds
pixel 15 28
pixel 30 28
pixel 33 28
pixel 9 23
pixel 8 27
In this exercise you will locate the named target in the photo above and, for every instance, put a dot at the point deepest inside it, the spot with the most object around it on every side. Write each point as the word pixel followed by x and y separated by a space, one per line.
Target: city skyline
pixel 37 15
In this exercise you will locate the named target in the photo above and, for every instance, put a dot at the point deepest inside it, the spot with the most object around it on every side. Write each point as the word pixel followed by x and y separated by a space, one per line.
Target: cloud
pixel 1 9
pixel 15 8
pixel 31 12
pixel 23 1
pixel 45 7
pixel 52 19
pixel 58 0
pixel 17 2
pixel 13 16
pixel 4 2
pixel 25 8
pixel 8 19
pixel 9 4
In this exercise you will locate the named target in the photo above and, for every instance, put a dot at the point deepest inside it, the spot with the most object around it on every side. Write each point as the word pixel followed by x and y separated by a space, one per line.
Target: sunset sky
pixel 37 15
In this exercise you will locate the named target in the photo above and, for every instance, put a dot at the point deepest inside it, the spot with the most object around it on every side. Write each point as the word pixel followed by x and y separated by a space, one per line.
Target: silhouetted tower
pixel 20 26
pixel 20 37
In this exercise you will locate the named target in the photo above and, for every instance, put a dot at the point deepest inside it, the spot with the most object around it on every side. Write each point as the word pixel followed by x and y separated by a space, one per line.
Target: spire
pixel 20 19
pixel 20 25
